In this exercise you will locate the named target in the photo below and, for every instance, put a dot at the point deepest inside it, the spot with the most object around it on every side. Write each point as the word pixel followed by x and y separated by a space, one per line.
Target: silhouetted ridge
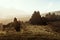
pixel 51 17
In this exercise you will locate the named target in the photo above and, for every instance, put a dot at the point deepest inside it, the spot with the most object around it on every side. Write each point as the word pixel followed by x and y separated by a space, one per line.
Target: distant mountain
pixel 56 12
pixel 8 20
pixel 23 16
pixel 9 13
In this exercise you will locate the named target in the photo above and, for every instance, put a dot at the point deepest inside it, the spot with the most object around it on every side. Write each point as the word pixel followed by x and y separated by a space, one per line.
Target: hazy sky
pixel 21 7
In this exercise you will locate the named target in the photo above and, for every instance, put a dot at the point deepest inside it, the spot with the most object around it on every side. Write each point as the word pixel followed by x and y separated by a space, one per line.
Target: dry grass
pixel 28 31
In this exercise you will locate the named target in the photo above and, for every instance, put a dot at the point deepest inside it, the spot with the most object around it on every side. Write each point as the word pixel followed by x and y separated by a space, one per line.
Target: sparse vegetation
pixel 37 28
pixel 32 32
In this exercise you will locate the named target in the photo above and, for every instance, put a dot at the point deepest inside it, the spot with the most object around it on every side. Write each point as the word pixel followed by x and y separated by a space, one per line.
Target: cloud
pixel 50 5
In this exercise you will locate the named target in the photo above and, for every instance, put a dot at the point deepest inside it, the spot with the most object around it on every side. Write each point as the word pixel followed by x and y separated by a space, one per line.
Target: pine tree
pixel 36 18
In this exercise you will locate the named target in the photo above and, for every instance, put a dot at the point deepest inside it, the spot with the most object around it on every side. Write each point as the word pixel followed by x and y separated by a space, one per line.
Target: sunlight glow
pixel 26 7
